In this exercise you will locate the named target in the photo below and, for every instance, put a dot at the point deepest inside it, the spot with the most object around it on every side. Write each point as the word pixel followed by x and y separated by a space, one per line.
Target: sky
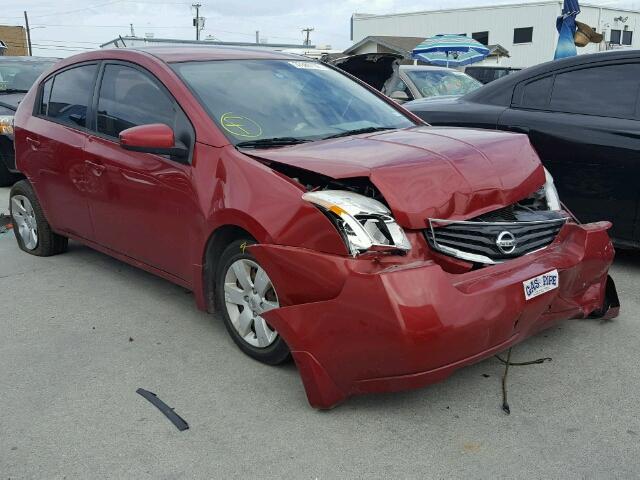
pixel 64 27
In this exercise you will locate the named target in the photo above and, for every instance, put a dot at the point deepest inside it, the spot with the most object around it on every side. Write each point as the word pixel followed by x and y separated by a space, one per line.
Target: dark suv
pixel 17 74
pixel 582 115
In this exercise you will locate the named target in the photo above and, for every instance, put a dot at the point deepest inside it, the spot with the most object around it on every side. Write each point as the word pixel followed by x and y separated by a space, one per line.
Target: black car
pixel 17 74
pixel 582 115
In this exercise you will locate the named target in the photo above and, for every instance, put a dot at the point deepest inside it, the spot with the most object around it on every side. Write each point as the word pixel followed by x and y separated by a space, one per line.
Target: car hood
pixel 11 100
pixel 427 172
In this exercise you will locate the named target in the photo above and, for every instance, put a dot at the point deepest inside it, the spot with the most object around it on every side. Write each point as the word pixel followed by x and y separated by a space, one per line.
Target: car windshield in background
pixel 263 103
pixel 438 83
pixel 16 76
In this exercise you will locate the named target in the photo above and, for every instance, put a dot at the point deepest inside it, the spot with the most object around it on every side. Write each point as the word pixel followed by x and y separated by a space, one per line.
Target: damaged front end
pixel 414 300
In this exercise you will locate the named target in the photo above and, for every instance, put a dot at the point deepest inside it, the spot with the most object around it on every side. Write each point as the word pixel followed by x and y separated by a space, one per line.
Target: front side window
pixel 70 95
pixel 129 98
pixel 523 35
pixel 585 91
pixel 264 99
pixel 438 83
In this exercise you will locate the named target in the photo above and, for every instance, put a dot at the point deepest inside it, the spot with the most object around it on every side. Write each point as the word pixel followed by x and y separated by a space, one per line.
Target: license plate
pixel 541 284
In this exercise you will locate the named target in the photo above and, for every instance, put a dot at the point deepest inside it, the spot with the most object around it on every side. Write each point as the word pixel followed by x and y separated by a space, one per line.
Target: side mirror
pixel 399 96
pixel 155 138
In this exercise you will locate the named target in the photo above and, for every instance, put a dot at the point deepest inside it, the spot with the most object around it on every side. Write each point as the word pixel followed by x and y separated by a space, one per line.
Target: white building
pixel 527 31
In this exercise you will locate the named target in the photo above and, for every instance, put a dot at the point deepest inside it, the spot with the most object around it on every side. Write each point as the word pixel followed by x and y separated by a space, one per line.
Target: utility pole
pixel 198 21
pixel 257 37
pixel 133 34
pixel 26 21
pixel 307 30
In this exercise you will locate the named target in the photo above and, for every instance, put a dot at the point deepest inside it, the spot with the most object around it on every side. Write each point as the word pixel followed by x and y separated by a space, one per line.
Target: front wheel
pixel 245 292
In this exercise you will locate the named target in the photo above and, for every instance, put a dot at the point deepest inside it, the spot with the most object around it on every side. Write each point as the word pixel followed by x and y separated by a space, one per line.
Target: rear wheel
pixel 245 292
pixel 32 231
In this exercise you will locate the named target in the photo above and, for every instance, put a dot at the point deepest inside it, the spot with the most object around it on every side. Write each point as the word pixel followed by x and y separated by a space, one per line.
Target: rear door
pixel 583 123
pixel 54 148
pixel 145 202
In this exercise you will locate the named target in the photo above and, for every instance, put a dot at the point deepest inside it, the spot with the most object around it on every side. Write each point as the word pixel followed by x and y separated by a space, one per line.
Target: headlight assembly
pixel 6 125
pixel 553 199
pixel 364 224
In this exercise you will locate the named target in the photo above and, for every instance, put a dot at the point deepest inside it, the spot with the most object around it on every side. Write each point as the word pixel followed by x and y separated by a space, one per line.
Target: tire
pixel 7 178
pixel 27 217
pixel 241 300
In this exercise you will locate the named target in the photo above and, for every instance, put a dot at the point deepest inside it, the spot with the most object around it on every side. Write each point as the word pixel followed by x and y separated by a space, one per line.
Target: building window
pixel 627 37
pixel 523 35
pixel 616 36
pixel 482 37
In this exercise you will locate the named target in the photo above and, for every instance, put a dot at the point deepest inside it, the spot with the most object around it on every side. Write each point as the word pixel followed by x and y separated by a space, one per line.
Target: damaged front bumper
pixel 361 325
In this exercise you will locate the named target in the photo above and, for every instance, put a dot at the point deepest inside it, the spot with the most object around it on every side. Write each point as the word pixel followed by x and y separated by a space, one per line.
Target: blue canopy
pixel 566 25
pixel 450 51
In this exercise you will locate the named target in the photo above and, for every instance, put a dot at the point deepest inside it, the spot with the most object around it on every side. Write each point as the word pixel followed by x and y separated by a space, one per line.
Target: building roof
pixel 364 16
pixel 404 45
pixel 122 42
pixel 401 45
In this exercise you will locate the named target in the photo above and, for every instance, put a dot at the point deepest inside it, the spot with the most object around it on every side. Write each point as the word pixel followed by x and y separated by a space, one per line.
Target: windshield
pixel 438 83
pixel 19 76
pixel 253 100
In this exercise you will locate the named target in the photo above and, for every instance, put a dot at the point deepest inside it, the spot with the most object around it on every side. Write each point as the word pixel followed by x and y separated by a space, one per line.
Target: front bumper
pixel 361 325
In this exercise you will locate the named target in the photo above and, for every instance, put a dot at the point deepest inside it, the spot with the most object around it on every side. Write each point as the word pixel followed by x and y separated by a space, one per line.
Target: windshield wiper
pixel 271 142
pixel 13 90
pixel 358 131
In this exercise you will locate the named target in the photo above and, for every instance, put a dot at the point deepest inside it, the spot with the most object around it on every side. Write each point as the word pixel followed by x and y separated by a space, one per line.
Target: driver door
pixel 144 202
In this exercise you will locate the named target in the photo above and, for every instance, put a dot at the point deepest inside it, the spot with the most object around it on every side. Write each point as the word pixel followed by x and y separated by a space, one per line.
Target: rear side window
pixel 46 94
pixel 536 94
pixel 607 91
pixel 70 95
pixel 128 98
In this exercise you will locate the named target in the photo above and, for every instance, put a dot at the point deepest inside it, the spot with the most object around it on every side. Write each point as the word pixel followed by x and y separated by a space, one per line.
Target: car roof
pixel 495 88
pixel 181 53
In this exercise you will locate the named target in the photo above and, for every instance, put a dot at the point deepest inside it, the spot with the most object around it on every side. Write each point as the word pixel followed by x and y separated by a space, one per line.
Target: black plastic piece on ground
pixel 176 419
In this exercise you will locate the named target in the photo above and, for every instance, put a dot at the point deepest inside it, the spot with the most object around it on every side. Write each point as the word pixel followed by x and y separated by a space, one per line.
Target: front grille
pixel 491 238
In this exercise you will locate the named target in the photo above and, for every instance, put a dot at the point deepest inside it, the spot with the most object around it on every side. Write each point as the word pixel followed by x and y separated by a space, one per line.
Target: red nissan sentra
pixel 320 219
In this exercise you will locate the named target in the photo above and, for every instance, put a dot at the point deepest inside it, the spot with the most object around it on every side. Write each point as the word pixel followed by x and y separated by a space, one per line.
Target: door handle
pixel 96 168
pixel 33 142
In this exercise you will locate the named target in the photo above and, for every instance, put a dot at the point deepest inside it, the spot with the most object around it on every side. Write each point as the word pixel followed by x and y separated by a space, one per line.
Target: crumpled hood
pixel 428 172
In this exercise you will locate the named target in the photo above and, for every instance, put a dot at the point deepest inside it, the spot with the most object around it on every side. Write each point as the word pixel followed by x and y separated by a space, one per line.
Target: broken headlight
pixel 551 194
pixel 6 122
pixel 364 223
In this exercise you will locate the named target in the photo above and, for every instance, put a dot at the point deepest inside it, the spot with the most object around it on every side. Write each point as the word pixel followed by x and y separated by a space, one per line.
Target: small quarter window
pixel 536 94
pixel 46 94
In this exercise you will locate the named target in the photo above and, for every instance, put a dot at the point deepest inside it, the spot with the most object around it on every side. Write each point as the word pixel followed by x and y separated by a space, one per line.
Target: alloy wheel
pixel 25 220
pixel 249 293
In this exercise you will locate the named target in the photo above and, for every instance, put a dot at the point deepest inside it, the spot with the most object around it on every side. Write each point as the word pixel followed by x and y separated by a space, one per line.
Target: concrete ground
pixel 81 332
